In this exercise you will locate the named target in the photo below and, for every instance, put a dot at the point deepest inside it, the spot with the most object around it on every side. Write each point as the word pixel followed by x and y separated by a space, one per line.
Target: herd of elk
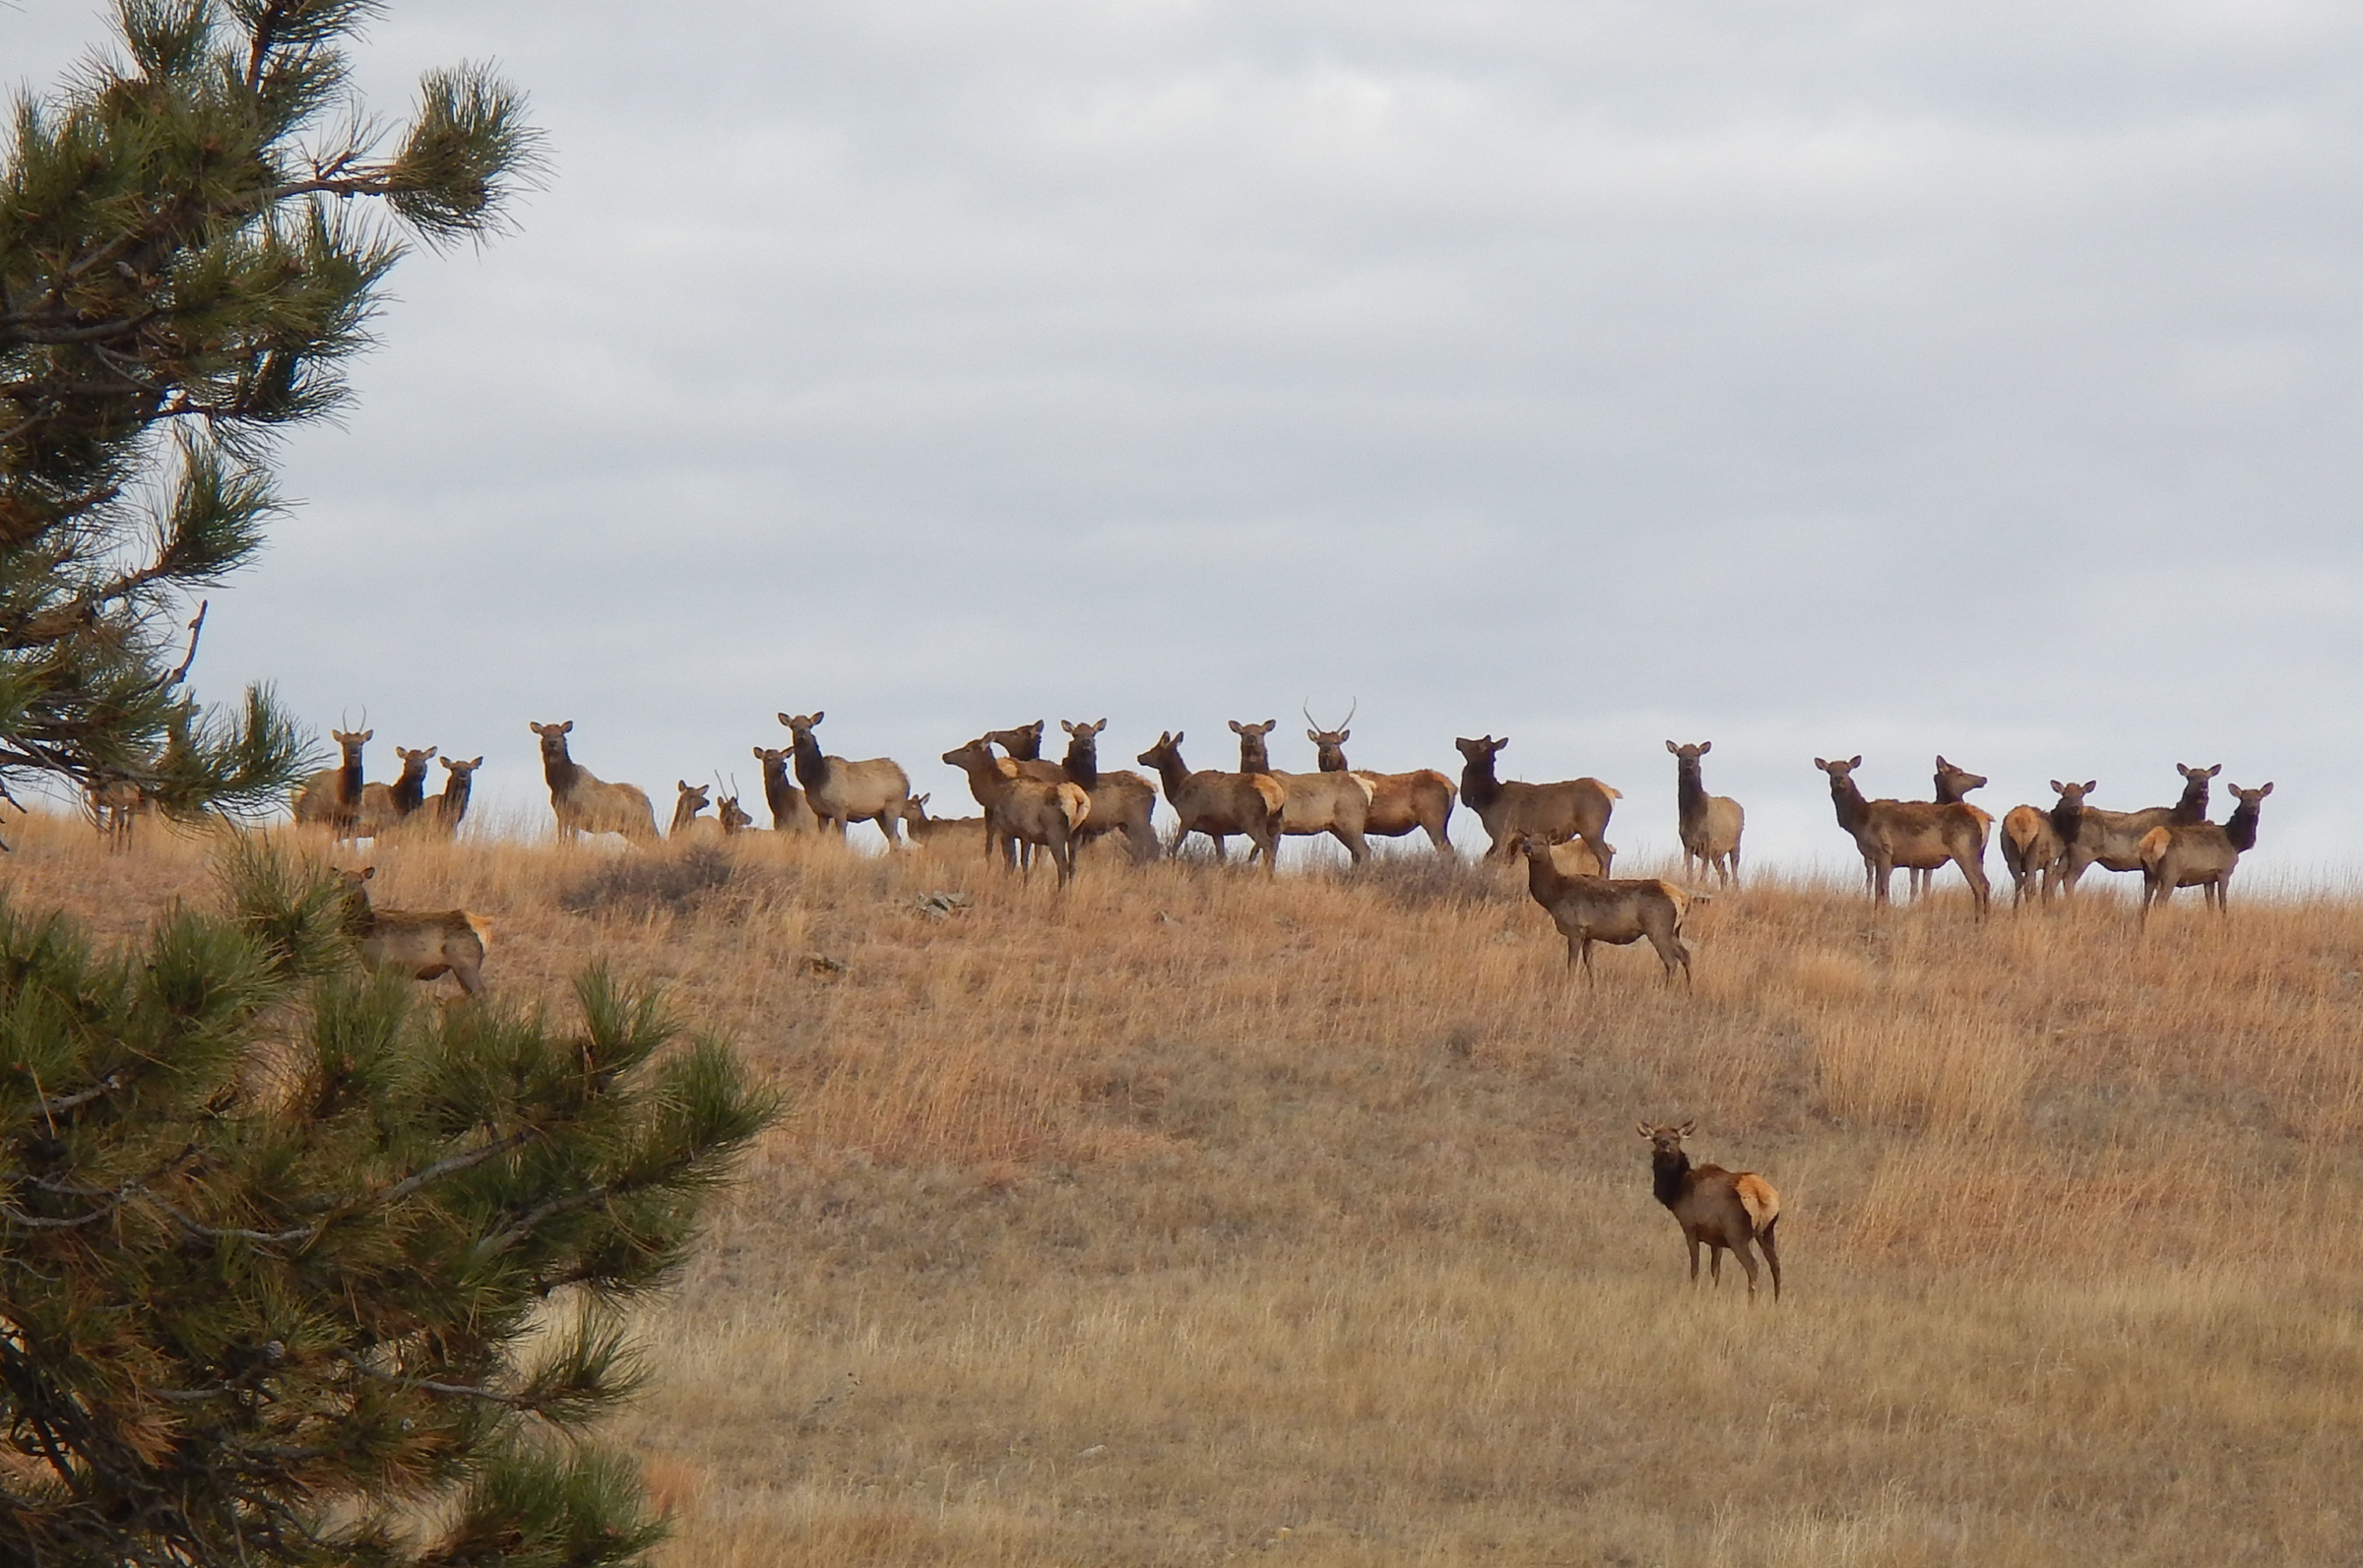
pixel 336 798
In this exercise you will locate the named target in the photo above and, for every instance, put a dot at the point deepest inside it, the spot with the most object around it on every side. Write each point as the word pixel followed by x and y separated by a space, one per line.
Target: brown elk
pixel 1614 910
pixel 687 808
pixel 114 806
pixel 1512 812
pixel 385 807
pixel 422 945
pixel 1021 810
pixel 1953 784
pixel 736 819
pixel 2199 855
pixel 1218 804
pixel 2112 840
pixel 1709 824
pixel 841 793
pixel 1400 802
pixel 1909 833
pixel 451 806
pixel 332 797
pixel 585 803
pixel 788 812
pixel 925 830
pixel 1121 801
pixel 1334 803
pixel 2030 849
pixel 1722 1209
pixel 1023 743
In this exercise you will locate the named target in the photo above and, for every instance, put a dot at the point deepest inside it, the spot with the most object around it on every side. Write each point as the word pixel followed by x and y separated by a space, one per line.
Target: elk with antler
pixel 332 797
pixel 1400 802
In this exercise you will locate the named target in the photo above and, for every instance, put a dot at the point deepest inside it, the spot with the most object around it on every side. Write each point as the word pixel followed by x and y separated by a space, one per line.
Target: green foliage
pixel 193 235
pixel 295 1268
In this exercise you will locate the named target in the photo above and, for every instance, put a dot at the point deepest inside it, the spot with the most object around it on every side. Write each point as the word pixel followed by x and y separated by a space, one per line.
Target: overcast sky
pixel 1816 378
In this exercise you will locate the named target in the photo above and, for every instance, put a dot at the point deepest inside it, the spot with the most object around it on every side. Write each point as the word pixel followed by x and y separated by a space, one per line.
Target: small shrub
pixel 650 884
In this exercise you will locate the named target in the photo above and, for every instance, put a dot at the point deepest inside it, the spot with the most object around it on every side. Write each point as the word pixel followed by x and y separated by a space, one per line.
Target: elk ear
pixel 1857 760
pixel 2213 772
pixel 1705 746
pixel 2268 789
pixel 367 872
pixel 1064 725
pixel 1676 750
pixel 1177 737
pixel 2057 788
pixel 1685 1129
pixel 785 721
pixel 471 767
pixel 1313 735
pixel 819 714
pixel 1235 728
pixel 566 728
pixel 2092 785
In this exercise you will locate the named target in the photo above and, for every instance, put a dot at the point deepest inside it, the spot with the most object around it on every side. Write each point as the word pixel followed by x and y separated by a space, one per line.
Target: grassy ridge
pixel 1191 1212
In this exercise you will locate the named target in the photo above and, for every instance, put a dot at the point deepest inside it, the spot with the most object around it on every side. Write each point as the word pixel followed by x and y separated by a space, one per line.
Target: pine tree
pixel 297 1269
pixel 193 233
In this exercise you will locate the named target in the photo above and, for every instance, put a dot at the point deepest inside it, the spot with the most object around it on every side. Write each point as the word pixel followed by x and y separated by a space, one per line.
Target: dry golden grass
pixel 1191 1214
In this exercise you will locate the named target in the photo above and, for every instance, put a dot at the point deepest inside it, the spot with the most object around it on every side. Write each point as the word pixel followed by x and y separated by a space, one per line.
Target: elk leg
pixel 1771 1255
pixel 1714 1264
pixel 1692 1240
pixel 1748 1262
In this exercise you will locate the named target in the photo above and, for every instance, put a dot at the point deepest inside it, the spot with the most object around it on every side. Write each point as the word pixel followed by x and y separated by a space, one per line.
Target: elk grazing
pixel 385 807
pixel 2112 840
pixel 2199 855
pixel 1400 802
pixel 925 830
pixel 1909 833
pixel 2030 848
pixel 420 945
pixel 1618 911
pixel 1218 804
pixel 841 793
pixel 788 812
pixel 1021 810
pixel 332 797
pixel 1709 824
pixel 1717 1206
pixel 583 801
pixel 1512 812
pixel 1335 803
pixel 1953 785
pixel 451 806
pixel 1121 801
pixel 687 807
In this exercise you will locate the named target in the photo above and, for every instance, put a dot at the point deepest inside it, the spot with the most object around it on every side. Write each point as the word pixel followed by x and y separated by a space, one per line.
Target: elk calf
pixel 925 830
pixel 2199 855
pixel 418 944
pixel 1709 824
pixel 688 804
pixel 1618 911
pixel 1717 1206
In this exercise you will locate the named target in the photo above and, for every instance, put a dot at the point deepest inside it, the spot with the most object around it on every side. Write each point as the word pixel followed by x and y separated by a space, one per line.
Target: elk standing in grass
pixel 2030 849
pixel 1021 810
pixel 2112 840
pixel 2199 855
pixel 451 806
pixel 1218 804
pixel 583 801
pixel 925 830
pixel 385 807
pixel 1953 784
pixel 1709 824
pixel 1400 802
pixel 788 812
pixel 1335 803
pixel 1513 812
pixel 418 944
pixel 114 806
pixel 1715 1206
pixel 1121 801
pixel 1909 833
pixel 1618 911
pixel 332 797
pixel 841 793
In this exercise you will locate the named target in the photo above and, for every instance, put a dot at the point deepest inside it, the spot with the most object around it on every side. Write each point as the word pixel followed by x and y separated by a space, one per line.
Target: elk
pixel 1909 833
pixel 1577 808
pixel 1717 1206
pixel 332 797
pixel 114 806
pixel 2199 855
pixel 1218 804
pixel 925 830
pixel 841 793
pixel 385 807
pixel 1021 810
pixel 418 944
pixel 736 819
pixel 451 806
pixel 2030 848
pixel 1335 803
pixel 1023 743
pixel 1121 801
pixel 1590 908
pixel 2112 840
pixel 583 801
pixel 1709 824
pixel 1400 802
pixel 788 812
pixel 690 802
pixel 1953 785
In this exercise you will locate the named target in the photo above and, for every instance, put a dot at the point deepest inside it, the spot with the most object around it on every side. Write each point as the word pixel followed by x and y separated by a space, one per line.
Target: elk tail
pixel 1757 1196
pixel 2154 845
pixel 482 927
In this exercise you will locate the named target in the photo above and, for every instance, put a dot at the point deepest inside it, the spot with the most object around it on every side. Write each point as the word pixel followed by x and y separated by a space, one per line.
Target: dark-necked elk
pixel 1909 833
pixel 1121 802
pixel 1717 1207
pixel 1617 911
pixel 2030 851
pixel 688 807
pixel 1709 824
pixel 1022 810
pixel 585 803
pixel 1513 813
pixel 419 944
pixel 925 830
pixel 332 797
pixel 788 812
pixel 1218 804
pixel 1314 804
pixel 841 793
pixel 2112 840
pixel 1401 803
pixel 2199 855
pixel 450 808
pixel 1953 784
pixel 387 807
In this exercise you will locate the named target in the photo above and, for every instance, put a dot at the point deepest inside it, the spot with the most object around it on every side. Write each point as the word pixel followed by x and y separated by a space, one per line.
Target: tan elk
pixel 688 807
pixel 332 797
pixel 1909 833
pixel 114 806
pixel 1021 810
pixel 2112 840
pixel 1023 743
pixel 1709 826
pixel 1616 910
pixel 1334 803
pixel 585 803
pixel 736 819
pixel 2030 851
pixel 450 808
pixel 841 793
pixel 1121 802
pixel 422 945
pixel 928 831
pixel 2199 855
pixel 1218 804
pixel 788 812
pixel 1953 784
pixel 1715 1208
pixel 387 807
pixel 1401 803
pixel 1513 811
